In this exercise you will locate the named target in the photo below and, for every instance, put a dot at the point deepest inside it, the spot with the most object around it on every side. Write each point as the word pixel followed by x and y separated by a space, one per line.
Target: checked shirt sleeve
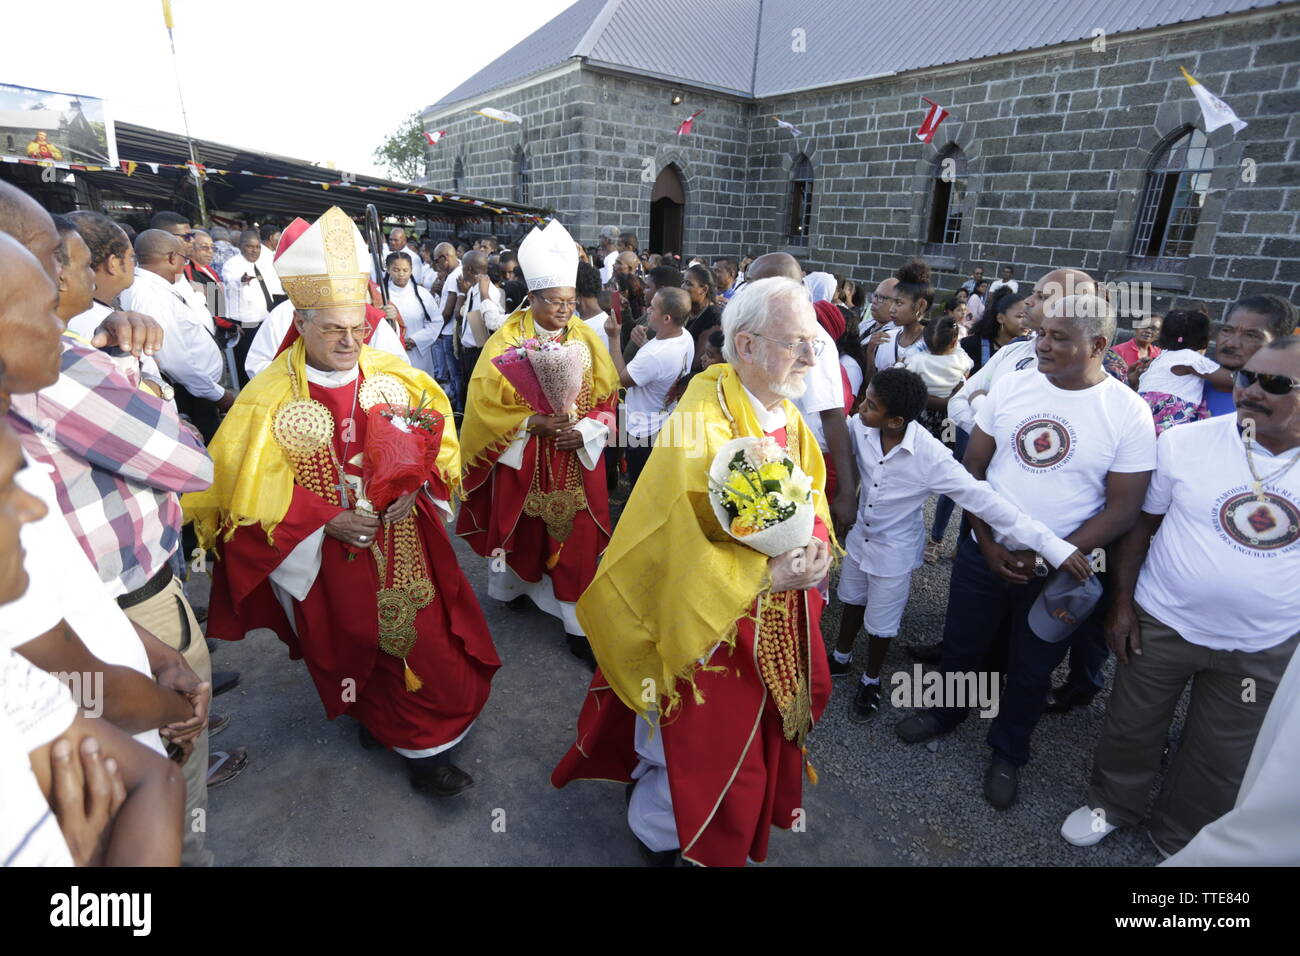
pixel 94 412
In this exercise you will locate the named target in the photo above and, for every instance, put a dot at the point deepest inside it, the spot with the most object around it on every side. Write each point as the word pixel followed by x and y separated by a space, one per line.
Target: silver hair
pixel 1090 314
pixel 752 308
pixel 220 234
pixel 610 232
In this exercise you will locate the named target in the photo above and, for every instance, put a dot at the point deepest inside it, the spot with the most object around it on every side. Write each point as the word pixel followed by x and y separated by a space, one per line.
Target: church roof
pixel 763 48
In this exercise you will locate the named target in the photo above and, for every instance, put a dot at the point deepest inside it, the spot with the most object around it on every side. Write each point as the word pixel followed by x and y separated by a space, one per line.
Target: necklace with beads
pixel 1258 485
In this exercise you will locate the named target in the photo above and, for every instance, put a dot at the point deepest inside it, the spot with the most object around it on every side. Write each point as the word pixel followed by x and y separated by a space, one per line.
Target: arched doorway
pixel 667 211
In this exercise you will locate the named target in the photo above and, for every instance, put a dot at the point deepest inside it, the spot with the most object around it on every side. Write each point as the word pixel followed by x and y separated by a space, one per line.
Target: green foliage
pixel 402 153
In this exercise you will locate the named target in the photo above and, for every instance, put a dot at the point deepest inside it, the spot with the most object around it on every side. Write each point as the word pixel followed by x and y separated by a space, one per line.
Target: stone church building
pixel 1072 139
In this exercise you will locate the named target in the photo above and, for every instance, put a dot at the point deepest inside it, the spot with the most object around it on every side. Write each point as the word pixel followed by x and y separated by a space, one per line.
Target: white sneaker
pixel 1086 827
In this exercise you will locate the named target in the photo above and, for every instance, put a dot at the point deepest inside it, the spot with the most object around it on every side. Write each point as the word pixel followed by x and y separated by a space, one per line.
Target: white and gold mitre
pixel 325 264
pixel 549 258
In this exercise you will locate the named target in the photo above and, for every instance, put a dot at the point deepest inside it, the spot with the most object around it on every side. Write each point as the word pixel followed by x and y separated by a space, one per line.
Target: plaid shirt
pixel 120 457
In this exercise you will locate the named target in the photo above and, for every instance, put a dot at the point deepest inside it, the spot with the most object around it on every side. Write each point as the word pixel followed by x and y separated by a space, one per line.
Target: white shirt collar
pixel 908 444
pixel 332 379
pixel 769 421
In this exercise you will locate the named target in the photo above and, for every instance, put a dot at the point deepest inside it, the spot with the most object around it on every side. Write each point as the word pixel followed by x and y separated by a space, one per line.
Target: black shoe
pixel 925 653
pixel 367 739
pixel 212 644
pixel 581 649
pixel 223 681
pixel 1063 699
pixel 920 727
pixel 658 857
pixel 445 781
pixel 838 669
pixel 1000 782
pixel 866 704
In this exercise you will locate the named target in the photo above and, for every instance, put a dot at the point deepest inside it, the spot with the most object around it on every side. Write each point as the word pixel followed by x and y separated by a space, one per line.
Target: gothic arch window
pixel 947 200
pixel 799 219
pixel 1177 186
pixel 522 172
pixel 457 174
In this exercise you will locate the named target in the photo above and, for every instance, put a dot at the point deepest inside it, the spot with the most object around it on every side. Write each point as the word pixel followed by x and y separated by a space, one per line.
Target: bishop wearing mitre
pixel 536 501
pixel 333 472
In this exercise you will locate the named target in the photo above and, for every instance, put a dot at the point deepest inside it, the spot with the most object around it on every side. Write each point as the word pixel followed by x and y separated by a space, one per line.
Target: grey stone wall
pixel 1057 148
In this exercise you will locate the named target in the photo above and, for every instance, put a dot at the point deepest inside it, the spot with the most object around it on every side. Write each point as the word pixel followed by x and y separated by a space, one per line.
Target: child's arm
pixel 1209 370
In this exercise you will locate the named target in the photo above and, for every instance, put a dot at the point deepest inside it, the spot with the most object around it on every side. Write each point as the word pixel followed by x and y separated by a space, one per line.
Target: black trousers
pixel 246 335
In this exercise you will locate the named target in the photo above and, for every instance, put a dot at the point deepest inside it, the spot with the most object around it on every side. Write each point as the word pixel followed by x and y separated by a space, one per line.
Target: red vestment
pixel 732 773
pixel 492 515
pixel 337 629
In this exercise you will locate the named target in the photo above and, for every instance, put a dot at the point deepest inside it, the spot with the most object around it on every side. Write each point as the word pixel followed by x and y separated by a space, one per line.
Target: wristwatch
pixel 167 393
pixel 1040 566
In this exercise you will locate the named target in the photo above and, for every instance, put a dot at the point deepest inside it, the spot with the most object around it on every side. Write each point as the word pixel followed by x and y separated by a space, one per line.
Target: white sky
pixel 311 79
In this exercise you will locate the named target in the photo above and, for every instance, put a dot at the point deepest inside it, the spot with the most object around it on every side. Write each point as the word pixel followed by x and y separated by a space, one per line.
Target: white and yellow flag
pixel 1215 112
pixel 502 116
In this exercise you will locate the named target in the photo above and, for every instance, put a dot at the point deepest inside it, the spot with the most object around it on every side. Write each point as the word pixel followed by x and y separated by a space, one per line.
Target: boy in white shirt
pixel 652 373
pixel 1173 384
pixel 900 465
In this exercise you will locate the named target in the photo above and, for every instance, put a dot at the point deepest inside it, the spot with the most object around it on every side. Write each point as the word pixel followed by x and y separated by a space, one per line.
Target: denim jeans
pixel 980 604
pixel 447 370
pixel 943 508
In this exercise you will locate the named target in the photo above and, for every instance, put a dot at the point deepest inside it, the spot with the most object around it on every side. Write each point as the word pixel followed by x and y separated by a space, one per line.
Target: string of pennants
pixel 200 171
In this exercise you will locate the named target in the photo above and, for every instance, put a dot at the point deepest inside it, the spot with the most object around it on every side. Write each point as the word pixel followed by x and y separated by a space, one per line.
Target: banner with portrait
pixel 44 125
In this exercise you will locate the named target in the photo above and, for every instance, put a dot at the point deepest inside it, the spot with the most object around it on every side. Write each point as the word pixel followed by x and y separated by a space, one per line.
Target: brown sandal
pixel 225 765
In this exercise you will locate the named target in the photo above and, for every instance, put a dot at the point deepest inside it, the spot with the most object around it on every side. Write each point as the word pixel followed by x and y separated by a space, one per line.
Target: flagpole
pixel 194 161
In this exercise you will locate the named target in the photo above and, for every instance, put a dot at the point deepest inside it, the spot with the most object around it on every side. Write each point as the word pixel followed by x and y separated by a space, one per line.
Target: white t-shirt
pixel 1055 447
pixel 823 387
pixel 942 373
pixel 34 710
pixel 449 288
pixel 998 284
pixel 854 371
pixel 890 353
pixel 1159 376
pixel 1224 568
pixel 656 366
pixel 597 324
pixel 64 585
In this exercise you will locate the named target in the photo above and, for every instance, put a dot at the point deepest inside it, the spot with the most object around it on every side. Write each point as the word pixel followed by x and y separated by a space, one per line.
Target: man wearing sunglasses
pixel 1204 588
pixel 1251 324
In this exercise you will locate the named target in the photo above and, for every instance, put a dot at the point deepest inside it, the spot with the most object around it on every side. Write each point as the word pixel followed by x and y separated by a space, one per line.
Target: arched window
pixel 1178 184
pixel 799 221
pixel 947 195
pixel 521 176
pixel 457 174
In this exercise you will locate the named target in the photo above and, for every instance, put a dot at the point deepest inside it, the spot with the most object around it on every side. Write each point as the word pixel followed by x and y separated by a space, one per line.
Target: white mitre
pixel 324 265
pixel 549 258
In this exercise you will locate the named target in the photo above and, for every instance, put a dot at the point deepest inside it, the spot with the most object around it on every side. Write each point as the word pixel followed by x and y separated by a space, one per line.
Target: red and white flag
pixel 932 120
pixel 685 128
pixel 434 136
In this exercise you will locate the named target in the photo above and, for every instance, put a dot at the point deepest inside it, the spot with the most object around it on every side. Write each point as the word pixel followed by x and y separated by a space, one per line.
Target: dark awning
pixel 238 180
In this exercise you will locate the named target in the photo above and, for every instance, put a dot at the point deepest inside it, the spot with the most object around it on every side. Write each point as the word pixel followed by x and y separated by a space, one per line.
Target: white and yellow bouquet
pixel 761 497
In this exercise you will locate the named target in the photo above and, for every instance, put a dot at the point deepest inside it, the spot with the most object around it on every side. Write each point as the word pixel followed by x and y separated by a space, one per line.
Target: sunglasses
pixel 1273 384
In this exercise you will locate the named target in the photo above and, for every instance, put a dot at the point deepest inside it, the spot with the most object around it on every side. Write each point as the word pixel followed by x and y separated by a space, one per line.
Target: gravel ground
pixel 312 796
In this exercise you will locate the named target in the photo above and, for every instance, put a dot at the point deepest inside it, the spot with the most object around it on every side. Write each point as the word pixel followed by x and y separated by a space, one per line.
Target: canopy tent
pixel 265 185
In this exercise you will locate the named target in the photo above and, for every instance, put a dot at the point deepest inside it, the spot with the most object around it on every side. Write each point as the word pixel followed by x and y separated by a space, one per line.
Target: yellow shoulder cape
pixel 673 583
pixel 494 410
pixel 253 480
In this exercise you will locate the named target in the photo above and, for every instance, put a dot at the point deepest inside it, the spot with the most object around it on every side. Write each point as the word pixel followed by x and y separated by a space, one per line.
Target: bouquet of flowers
pixel 402 444
pixel 547 375
pixel 761 497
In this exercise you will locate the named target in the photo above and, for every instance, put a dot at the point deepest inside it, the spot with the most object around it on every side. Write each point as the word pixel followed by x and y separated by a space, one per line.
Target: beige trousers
pixel 169 617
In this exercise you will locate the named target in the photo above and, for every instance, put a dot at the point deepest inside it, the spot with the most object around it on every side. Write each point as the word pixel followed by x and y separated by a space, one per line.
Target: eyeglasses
pixel 187 236
pixel 1273 384
pixel 334 336
pixel 566 304
pixel 798 345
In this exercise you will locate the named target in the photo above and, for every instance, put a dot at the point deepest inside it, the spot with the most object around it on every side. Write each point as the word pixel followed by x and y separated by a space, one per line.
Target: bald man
pixel 24 219
pixel 822 403
pixel 1018 354
pixel 881 301
pixel 398 242
pixel 189 357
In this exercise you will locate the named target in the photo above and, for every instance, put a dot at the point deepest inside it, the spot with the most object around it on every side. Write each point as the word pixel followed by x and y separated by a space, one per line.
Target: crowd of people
pixel 185 401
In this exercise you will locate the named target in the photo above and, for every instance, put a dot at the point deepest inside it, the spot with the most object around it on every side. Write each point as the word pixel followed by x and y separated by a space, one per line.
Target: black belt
pixel 154 585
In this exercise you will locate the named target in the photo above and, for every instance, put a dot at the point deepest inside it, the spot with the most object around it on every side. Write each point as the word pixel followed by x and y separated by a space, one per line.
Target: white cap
pixel 549 258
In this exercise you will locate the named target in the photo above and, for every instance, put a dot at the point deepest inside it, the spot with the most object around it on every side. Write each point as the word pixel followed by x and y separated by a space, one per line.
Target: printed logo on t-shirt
pixel 1042 443
pixel 1025 362
pixel 1249 523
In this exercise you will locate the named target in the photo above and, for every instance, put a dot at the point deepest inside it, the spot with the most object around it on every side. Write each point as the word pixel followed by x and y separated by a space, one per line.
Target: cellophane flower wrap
pixel 547 375
pixel 761 497
pixel 401 451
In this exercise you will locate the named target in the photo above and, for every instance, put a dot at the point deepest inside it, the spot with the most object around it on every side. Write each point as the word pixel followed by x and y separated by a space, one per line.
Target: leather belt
pixel 153 586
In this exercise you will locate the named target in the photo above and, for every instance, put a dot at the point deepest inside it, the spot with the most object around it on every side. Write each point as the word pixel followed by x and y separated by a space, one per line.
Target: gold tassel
pixel 554 559
pixel 413 682
pixel 808 768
